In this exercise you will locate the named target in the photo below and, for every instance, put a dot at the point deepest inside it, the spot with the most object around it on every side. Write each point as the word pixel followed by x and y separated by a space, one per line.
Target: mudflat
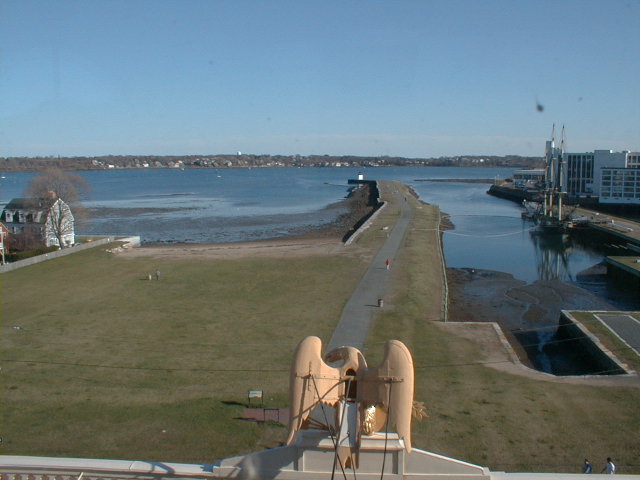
pixel 490 296
pixel 321 240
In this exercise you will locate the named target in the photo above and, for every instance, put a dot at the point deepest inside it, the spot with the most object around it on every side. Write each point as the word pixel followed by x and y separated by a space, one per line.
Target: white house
pixel 49 219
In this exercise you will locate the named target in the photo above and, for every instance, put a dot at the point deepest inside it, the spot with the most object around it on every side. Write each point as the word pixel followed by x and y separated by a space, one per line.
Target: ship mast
pixel 550 172
pixel 560 177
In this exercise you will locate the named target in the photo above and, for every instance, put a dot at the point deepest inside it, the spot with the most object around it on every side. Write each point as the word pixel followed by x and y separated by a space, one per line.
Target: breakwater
pixel 373 203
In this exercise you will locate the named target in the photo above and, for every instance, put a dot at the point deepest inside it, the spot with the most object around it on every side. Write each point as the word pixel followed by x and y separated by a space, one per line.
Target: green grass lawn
pixel 485 416
pixel 107 364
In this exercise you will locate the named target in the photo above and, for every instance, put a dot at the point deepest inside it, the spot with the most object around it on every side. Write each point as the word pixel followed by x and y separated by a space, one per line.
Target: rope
pixel 386 432
pixel 324 413
pixel 336 458
pixel 444 308
pixel 451 232
pixel 333 439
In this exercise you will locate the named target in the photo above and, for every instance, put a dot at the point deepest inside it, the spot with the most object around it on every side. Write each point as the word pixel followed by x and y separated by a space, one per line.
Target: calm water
pixel 208 205
pixel 490 234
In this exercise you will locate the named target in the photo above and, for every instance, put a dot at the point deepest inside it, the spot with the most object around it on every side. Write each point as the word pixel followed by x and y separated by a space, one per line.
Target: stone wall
pixel 600 359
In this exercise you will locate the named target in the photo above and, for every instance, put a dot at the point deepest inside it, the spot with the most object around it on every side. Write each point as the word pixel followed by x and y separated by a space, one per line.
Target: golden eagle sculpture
pixel 379 398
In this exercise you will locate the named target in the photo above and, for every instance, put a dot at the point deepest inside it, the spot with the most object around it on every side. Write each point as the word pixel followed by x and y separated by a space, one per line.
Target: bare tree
pixel 55 185
pixel 65 185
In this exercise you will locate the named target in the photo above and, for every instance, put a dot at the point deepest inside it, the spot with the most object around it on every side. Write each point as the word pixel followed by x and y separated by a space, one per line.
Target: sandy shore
pixel 323 240
pixel 263 248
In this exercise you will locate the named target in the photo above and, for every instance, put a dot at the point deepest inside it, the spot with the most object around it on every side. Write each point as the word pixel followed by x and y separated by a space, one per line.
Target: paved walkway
pixel 624 326
pixel 624 228
pixel 353 327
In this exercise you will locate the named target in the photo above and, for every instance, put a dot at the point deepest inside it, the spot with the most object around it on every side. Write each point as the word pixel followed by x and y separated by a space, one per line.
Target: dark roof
pixel 29 204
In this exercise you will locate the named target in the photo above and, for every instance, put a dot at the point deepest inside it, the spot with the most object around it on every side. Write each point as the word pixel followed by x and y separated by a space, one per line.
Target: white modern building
pixel 612 177
pixel 620 185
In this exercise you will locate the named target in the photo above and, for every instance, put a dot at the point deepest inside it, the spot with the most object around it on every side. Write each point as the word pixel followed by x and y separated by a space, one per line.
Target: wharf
pixel 624 267
pixel 509 192
pixel 623 228
pixel 623 325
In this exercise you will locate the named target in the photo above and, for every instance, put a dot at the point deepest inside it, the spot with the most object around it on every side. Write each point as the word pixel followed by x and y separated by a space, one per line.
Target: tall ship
pixel 549 217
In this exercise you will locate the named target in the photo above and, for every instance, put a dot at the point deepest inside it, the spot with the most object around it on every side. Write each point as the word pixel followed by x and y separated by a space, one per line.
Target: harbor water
pixel 226 205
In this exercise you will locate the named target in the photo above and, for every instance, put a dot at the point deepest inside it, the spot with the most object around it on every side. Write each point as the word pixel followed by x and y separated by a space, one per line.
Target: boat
pixel 550 218
pixel 531 209
pixel 548 224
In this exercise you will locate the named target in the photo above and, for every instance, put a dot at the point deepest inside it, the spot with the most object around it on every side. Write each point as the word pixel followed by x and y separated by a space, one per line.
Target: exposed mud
pixel 482 295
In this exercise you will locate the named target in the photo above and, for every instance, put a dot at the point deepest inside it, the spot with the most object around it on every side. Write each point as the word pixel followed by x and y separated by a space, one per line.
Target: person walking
pixel 388 263
pixel 586 467
pixel 609 468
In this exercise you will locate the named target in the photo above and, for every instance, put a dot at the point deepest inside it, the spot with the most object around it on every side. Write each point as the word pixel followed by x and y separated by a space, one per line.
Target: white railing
pixel 49 468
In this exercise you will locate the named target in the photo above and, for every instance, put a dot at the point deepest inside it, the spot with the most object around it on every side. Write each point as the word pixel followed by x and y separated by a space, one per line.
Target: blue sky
pixel 407 78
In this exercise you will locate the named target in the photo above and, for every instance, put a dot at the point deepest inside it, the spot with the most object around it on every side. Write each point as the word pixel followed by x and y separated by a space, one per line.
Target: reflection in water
pixel 542 360
pixel 552 253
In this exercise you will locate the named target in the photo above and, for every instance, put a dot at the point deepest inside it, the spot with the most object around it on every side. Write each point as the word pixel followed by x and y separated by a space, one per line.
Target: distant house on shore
pixel 36 222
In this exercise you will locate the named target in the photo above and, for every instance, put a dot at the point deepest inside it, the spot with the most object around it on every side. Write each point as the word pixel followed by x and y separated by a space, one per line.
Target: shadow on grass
pixel 233 402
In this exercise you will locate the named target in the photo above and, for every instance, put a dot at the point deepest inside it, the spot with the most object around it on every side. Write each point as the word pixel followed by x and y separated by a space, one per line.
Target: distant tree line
pixel 9 164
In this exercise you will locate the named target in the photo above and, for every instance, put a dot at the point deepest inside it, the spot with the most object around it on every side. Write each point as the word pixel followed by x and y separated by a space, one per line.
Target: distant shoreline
pixel 116 162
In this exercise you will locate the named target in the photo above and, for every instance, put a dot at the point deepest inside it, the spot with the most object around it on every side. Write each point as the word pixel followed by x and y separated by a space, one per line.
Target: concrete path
pixel 624 326
pixel 353 327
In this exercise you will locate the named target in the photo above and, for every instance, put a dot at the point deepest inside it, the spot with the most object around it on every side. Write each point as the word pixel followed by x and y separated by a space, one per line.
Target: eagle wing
pixel 312 381
pixel 391 385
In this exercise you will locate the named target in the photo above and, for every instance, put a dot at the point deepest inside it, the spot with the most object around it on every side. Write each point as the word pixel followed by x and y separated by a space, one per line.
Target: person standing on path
pixel 609 468
pixel 388 263
pixel 357 314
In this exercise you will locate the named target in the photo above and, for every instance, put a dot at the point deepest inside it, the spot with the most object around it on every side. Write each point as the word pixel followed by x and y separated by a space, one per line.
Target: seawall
pixel 601 361
pixel 514 194
pixel 624 272
pixel 365 222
